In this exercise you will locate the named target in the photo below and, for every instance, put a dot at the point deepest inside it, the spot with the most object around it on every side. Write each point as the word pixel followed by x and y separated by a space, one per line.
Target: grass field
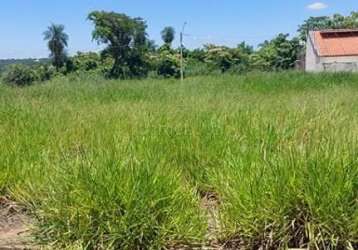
pixel 126 164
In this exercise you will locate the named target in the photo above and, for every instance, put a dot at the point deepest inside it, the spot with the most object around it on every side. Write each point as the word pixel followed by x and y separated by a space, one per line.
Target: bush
pixel 235 60
pixel 195 67
pixel 281 53
pixel 168 64
pixel 44 72
pixel 20 75
pixel 83 62
pixel 89 63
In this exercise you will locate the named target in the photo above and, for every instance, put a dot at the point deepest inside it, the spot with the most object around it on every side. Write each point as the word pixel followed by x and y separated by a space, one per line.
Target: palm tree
pixel 57 42
pixel 168 35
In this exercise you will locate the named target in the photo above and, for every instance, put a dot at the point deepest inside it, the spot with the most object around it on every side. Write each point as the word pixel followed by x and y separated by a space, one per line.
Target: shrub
pixel 280 53
pixel 195 67
pixel 83 62
pixel 228 59
pixel 20 75
pixel 44 72
pixel 168 64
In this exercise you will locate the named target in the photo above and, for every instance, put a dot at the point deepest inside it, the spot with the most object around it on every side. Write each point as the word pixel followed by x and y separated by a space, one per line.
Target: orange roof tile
pixel 336 42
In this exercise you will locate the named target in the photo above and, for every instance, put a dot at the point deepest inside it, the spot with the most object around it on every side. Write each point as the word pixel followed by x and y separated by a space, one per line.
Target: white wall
pixel 341 63
pixel 341 59
pixel 312 60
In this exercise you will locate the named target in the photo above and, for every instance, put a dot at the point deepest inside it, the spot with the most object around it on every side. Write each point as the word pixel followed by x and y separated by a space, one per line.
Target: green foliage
pixel 126 42
pixel 280 53
pixel 195 67
pixel 29 61
pixel 130 54
pixel 120 165
pixel 225 58
pixel 244 48
pixel 83 62
pixel 57 42
pixel 337 21
pixel 20 75
pixel 167 63
pixel 197 54
pixel 168 35
pixel 44 72
pixel 151 46
pixel 220 57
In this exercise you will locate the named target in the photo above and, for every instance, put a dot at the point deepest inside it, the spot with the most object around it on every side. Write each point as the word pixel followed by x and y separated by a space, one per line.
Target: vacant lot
pixel 257 160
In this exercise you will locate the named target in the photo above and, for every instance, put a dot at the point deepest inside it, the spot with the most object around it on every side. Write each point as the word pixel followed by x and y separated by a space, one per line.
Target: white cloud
pixel 317 6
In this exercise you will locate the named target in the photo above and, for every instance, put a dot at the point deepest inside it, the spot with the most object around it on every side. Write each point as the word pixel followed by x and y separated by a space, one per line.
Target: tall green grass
pixel 122 164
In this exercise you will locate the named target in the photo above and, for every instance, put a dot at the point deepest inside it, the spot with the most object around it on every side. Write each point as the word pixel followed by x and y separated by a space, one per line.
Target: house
pixel 332 50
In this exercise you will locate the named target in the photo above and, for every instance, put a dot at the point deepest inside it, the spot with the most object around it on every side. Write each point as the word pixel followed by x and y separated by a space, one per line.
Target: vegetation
pixel 4 63
pixel 168 35
pixel 167 63
pixel 126 164
pixel 130 54
pixel 107 164
pixel 336 21
pixel 126 41
pixel 57 42
pixel 20 75
pixel 88 62
pixel 280 53
pixel 225 58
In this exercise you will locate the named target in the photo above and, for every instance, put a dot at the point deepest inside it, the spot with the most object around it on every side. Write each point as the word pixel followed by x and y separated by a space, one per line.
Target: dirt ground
pixel 14 226
pixel 210 202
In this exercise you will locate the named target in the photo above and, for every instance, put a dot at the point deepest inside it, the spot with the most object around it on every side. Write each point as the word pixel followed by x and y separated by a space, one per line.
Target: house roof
pixel 330 43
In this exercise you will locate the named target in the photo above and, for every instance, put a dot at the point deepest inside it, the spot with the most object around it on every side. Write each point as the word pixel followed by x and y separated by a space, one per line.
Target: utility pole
pixel 181 53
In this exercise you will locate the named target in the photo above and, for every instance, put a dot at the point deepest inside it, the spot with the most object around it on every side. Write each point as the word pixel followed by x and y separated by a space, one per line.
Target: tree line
pixel 129 53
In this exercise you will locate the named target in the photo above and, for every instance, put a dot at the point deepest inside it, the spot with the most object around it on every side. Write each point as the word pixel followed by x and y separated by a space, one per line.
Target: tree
pixel 219 57
pixel 225 58
pixel 167 63
pixel 126 41
pixel 168 35
pixel 198 54
pixel 336 21
pixel 151 46
pixel 83 62
pixel 57 42
pixel 352 20
pixel 280 53
pixel 245 48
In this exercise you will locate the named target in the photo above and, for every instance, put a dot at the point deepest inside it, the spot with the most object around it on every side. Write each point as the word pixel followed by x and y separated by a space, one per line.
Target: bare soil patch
pixel 14 226
pixel 210 204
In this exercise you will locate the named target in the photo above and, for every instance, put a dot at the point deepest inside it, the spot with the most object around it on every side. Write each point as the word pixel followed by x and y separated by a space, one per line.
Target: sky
pixel 226 22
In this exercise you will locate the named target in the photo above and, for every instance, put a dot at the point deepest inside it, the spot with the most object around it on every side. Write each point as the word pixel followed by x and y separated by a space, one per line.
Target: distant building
pixel 332 50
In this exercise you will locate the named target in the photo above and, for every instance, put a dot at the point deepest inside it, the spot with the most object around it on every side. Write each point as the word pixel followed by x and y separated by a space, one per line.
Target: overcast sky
pixel 227 22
